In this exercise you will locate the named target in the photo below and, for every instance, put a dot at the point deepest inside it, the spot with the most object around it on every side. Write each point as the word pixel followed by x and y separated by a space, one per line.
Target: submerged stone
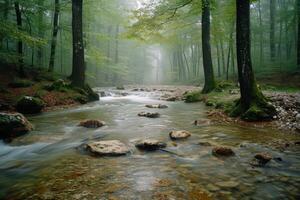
pixel 91 123
pixel 149 115
pixel 108 148
pixel 13 125
pixel 261 159
pixel 157 106
pixel 175 135
pixel 227 184
pixel 222 151
pixel 150 144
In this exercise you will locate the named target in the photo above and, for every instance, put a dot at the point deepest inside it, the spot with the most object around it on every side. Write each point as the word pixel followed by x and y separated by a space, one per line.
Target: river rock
pixel 150 144
pixel 149 115
pixel 227 184
pixel 222 151
pixel 263 158
pixel 108 148
pixel 91 123
pixel 202 122
pixel 175 135
pixel 157 106
pixel 29 105
pixel 13 125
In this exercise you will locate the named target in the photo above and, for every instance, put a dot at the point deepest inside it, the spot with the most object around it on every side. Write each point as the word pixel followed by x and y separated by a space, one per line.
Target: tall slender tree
pixel 40 32
pixel 298 37
pixel 209 84
pixel 54 36
pixel 272 29
pixel 19 43
pixel 78 68
pixel 252 104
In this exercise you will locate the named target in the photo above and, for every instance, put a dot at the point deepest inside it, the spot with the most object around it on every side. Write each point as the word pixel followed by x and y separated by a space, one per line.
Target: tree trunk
pixel 20 43
pixel 78 69
pixel 117 45
pixel 261 58
pixel 272 29
pixel 54 36
pixel 209 84
pixel 252 104
pixel 298 37
pixel 218 59
pixel 40 33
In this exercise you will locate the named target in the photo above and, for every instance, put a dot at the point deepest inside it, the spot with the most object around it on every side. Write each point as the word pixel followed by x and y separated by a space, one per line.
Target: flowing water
pixel 48 163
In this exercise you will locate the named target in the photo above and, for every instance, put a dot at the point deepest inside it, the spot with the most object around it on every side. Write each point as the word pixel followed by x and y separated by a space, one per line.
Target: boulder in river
pixel 222 151
pixel 91 123
pixel 176 135
pixel 261 159
pixel 107 148
pixel 13 125
pixel 156 106
pixel 150 144
pixel 30 105
pixel 149 115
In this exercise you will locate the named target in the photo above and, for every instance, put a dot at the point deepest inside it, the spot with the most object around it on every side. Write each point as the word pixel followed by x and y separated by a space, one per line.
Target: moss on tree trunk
pixel 252 106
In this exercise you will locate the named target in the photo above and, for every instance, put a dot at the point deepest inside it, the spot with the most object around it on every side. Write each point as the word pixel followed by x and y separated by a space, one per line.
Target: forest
pixel 149 99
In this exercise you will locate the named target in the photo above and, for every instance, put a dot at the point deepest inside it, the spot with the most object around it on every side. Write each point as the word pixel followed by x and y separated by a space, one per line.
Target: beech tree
pixel 54 36
pixel 78 67
pixel 209 83
pixel 252 105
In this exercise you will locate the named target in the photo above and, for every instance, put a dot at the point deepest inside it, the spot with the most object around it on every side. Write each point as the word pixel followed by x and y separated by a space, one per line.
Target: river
pixel 49 163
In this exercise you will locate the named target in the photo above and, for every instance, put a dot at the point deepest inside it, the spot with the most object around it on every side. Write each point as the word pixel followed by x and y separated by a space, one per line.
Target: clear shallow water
pixel 47 163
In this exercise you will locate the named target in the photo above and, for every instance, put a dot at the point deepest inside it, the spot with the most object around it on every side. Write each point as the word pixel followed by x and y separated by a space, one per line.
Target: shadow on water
pixel 46 163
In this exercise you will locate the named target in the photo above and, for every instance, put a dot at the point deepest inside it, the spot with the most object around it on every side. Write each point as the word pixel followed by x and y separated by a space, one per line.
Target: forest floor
pixel 35 84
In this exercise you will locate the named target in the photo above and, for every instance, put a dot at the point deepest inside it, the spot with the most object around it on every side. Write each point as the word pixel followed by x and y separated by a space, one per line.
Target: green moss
pixel 58 85
pixel 20 83
pixel 81 99
pixel 191 97
pixel 40 93
pixel 29 105
pixel 210 103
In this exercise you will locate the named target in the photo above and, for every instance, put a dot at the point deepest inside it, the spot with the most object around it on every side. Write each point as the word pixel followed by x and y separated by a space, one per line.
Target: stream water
pixel 47 163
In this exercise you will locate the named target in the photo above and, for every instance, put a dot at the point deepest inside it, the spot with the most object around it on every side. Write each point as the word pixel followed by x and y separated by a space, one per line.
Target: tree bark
pixel 252 104
pixel 272 30
pixel 40 33
pixel 54 36
pixel 209 84
pixel 78 68
pixel 298 37
pixel 19 43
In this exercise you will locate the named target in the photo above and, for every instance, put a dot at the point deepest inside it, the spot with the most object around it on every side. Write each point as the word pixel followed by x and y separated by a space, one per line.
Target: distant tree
pixel 54 36
pixel 19 43
pixel 209 84
pixel 78 67
pixel 252 105
pixel 272 29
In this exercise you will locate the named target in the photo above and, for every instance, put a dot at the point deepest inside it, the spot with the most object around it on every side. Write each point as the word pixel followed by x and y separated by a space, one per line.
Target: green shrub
pixel 20 83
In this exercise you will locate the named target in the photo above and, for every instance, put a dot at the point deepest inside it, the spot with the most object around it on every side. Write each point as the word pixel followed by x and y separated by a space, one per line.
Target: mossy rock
pixel 21 83
pixel 29 105
pixel 191 97
pixel 81 99
pixel 58 85
pixel 3 89
pixel 13 125
pixel 210 103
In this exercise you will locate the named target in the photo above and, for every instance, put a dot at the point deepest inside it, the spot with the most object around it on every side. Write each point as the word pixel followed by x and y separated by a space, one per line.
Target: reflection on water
pixel 46 164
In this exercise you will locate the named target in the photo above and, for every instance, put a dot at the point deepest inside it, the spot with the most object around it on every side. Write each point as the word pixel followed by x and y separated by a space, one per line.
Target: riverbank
pixel 55 91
